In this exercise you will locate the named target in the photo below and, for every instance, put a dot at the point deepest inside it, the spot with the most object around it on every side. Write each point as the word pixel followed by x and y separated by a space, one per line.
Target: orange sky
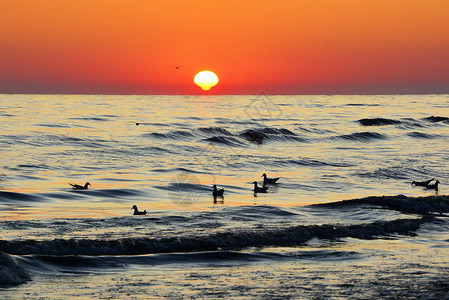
pixel 279 47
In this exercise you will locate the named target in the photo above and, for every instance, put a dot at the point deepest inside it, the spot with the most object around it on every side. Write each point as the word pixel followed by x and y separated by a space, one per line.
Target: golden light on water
pixel 206 80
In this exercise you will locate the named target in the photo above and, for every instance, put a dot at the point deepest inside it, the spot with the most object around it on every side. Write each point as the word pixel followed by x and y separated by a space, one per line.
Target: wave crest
pixel 363 136
pixel 228 240
pixel 225 140
pixel 11 273
pixel 260 135
pixel 420 205
pixel 435 119
pixel 378 122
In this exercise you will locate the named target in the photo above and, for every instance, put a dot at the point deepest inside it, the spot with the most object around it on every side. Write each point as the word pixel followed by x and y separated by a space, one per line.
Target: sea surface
pixel 343 221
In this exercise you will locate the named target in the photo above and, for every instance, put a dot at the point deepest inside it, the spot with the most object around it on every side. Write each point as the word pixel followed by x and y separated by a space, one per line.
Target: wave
pixel 31 166
pixel 11 273
pixel 361 104
pixel 421 135
pixel 404 122
pixel 435 119
pixel 214 131
pixel 419 205
pixel 216 134
pixel 16 274
pixel 253 136
pixel 260 211
pixel 393 172
pixel 311 163
pixel 315 130
pixel 289 236
pixel 228 121
pixel 378 122
pixel 225 140
pixel 185 171
pixel 58 140
pixel 53 125
pixel 259 136
pixel 409 123
pixel 113 193
pixel 69 194
pixel 363 136
pixel 172 135
pixel 91 119
pixel 282 131
pixel 13 196
pixel 77 262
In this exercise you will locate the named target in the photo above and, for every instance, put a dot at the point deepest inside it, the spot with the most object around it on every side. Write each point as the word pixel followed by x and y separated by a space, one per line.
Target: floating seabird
pixel 268 180
pixel 422 183
pixel 80 187
pixel 217 192
pixel 259 189
pixel 137 212
pixel 433 186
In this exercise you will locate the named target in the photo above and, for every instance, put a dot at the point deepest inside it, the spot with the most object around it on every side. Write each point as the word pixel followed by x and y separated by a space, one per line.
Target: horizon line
pixel 208 95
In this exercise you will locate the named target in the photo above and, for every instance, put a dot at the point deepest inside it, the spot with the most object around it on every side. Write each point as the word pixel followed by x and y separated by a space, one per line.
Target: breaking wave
pixel 230 240
pixel 11 273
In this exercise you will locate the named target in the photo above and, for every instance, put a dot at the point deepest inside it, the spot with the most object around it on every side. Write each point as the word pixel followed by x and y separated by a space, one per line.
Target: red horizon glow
pixel 290 47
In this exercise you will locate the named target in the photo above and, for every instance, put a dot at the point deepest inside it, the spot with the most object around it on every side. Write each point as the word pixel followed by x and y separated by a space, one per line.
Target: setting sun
pixel 206 80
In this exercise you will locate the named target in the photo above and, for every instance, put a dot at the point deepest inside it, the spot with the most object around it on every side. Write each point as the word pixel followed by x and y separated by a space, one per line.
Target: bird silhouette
pixel 269 180
pixel 217 192
pixel 422 183
pixel 258 189
pixel 80 187
pixel 433 186
pixel 137 212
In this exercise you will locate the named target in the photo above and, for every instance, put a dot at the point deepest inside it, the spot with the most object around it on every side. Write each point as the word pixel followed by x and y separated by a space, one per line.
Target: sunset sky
pixel 279 47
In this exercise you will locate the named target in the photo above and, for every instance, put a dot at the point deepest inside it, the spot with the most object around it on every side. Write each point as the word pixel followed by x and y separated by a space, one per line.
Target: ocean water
pixel 343 222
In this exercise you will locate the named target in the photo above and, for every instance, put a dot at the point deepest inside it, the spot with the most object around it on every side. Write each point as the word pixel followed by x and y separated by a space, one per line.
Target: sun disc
pixel 206 80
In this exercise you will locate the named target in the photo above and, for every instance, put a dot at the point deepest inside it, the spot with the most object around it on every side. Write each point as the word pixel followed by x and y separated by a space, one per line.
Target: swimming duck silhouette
pixel 217 192
pixel 433 186
pixel 137 212
pixel 258 189
pixel 268 180
pixel 422 183
pixel 80 187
